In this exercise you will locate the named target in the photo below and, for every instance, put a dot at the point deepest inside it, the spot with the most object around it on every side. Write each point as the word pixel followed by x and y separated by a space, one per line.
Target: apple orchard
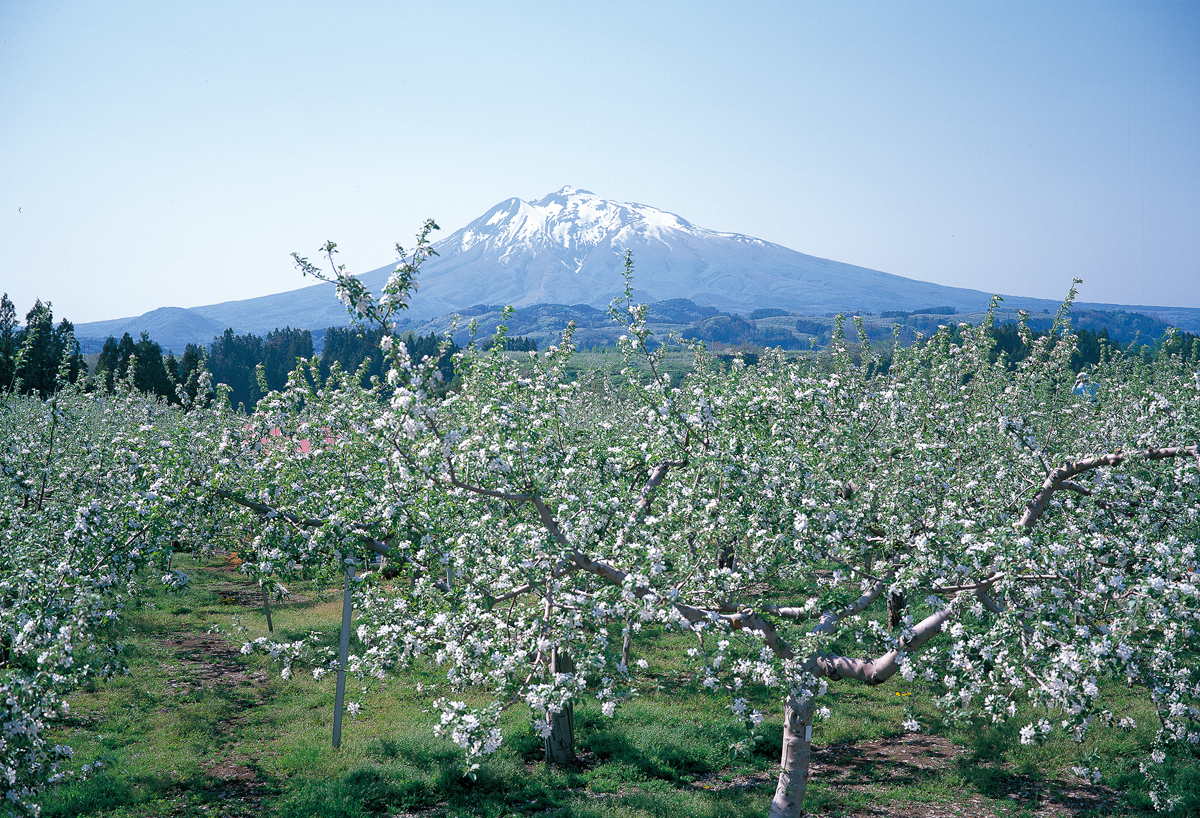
pixel 1014 533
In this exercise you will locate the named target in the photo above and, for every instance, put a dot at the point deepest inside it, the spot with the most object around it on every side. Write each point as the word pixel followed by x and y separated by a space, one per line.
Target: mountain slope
pixel 568 248
pixel 173 327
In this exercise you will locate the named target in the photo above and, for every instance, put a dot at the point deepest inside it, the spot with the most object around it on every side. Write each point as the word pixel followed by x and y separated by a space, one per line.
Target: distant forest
pixel 39 356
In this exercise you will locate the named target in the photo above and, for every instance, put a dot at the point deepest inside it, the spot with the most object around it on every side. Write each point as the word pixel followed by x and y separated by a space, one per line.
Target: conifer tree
pixel 233 360
pixel 106 364
pixel 150 374
pixel 36 366
pixel 191 365
pixel 8 342
pixel 281 348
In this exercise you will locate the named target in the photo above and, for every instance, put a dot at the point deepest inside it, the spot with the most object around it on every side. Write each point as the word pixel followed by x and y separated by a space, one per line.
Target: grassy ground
pixel 197 729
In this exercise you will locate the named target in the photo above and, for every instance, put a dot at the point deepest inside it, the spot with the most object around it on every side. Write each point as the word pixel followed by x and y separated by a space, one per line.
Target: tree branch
pixel 1060 478
pixel 878 671
pixel 378 546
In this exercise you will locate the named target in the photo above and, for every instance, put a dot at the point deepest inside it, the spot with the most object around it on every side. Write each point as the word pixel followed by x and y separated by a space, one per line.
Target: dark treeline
pixel 152 372
pixel 31 356
pixel 349 347
pixel 234 360
pixel 1092 346
pixel 1184 344
pixel 926 311
pixel 514 344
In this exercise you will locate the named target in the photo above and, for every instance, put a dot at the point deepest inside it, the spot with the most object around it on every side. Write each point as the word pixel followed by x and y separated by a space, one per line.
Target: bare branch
pixel 1075 487
pixel 657 475
pixel 561 570
pixel 878 671
pixel 1060 478
pixel 499 495
pixel 269 511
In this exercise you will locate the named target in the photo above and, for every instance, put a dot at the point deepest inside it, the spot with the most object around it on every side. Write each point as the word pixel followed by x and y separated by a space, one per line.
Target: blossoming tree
pixel 1033 533
pixel 87 504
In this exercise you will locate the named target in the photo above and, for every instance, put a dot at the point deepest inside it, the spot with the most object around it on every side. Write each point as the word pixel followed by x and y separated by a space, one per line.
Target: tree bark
pixel 797 750
pixel 267 608
pixel 560 744
pixel 895 605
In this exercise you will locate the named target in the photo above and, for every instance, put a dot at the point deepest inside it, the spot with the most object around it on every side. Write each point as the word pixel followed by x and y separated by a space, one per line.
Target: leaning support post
pixel 343 654
pixel 267 607
pixel 797 751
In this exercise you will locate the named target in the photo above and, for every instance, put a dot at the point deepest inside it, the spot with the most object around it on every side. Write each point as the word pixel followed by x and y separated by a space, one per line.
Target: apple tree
pixel 1013 534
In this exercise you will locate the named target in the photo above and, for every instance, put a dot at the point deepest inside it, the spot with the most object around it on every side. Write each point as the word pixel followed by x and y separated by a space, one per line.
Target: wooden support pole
pixel 267 608
pixel 343 654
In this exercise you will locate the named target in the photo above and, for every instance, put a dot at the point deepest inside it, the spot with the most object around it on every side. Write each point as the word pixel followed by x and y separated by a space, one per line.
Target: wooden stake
pixel 267 608
pixel 343 654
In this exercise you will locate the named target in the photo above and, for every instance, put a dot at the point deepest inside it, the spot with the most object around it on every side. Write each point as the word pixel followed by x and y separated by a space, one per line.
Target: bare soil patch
pixel 207 660
pixel 868 766
pixel 235 589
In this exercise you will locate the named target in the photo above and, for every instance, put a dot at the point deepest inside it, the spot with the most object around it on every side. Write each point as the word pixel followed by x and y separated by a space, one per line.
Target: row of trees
pixel 235 360
pixel 153 372
pixel 1016 541
pixel 31 355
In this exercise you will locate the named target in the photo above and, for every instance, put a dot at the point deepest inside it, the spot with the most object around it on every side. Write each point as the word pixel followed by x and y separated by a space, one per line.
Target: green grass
pixel 247 742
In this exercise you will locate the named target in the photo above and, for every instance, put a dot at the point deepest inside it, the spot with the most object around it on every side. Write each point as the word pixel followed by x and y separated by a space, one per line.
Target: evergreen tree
pixel 106 364
pixel 65 344
pixel 193 362
pixel 232 360
pixel 42 349
pixel 150 374
pixel 349 348
pixel 281 348
pixel 37 367
pixel 125 350
pixel 1091 348
pixel 113 363
pixel 8 343
pixel 422 345
pixel 1008 341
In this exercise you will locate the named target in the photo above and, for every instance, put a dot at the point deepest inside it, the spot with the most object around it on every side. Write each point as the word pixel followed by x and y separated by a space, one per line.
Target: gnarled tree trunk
pixel 797 750
pixel 895 605
pixel 560 744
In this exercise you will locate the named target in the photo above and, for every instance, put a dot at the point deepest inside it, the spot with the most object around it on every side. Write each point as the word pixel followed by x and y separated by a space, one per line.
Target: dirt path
pixel 209 663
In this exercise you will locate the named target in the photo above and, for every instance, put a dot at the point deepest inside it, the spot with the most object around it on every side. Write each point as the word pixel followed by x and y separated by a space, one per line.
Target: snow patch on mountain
pixel 568 248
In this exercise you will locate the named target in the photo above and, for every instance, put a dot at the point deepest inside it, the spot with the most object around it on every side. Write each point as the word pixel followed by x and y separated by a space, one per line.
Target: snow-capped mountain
pixel 569 247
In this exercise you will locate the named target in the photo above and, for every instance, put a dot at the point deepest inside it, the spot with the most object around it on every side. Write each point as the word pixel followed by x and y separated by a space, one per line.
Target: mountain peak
pixel 569 248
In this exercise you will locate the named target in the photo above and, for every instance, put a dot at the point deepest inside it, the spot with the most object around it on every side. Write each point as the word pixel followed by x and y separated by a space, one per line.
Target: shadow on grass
pixel 499 787
pixel 109 792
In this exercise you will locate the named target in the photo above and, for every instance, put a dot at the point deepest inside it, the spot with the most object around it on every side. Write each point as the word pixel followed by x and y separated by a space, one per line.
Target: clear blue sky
pixel 174 154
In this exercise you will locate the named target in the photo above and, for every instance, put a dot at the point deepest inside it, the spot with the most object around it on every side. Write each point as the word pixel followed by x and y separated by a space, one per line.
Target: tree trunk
pixel 560 744
pixel 267 608
pixel 896 603
pixel 797 750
